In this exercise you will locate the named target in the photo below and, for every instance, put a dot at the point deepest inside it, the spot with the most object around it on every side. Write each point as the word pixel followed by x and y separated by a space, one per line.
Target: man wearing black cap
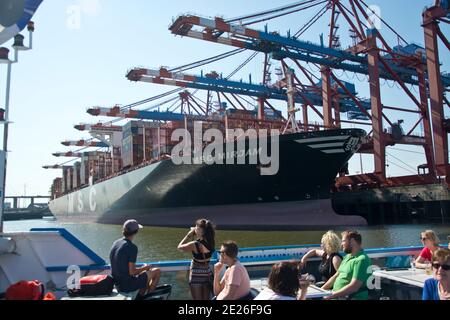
pixel 123 258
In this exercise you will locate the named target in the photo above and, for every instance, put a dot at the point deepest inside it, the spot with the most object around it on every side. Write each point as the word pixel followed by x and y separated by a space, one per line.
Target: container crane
pixel 68 154
pixel 135 114
pixel 57 166
pixel 162 76
pixel 404 65
pixel 98 128
pixel 85 143
pixel 432 16
pixel 280 47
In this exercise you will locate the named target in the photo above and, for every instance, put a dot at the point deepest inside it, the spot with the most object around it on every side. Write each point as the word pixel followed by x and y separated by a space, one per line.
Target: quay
pixel 397 204
pixel 35 210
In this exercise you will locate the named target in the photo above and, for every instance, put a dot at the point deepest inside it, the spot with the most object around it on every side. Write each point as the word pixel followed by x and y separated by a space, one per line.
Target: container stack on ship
pixel 132 173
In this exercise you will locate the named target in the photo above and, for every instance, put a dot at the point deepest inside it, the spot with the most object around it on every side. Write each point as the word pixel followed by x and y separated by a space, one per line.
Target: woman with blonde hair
pixel 430 242
pixel 331 259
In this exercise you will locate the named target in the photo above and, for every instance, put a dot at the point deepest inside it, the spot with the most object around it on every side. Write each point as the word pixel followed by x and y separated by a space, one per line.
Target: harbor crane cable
pixel 206 61
pixel 283 14
pixel 313 20
pixel 267 12
pixel 400 161
pixel 252 56
pixel 385 23
pixel 178 69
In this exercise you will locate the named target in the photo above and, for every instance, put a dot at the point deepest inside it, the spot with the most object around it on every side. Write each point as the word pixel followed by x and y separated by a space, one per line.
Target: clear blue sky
pixel 71 69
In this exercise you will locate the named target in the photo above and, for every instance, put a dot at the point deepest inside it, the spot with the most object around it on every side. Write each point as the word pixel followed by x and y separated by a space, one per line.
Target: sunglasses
pixel 423 239
pixel 443 266
pixel 221 252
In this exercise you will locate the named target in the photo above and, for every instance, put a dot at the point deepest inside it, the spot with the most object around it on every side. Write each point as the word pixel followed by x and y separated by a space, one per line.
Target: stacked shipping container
pixel 64 186
pixel 140 141
pixel 76 175
pixel 99 165
pixel 144 140
pixel 70 179
pixel 56 189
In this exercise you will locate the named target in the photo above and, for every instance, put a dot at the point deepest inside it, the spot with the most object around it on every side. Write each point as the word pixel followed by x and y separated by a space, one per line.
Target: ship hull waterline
pixel 234 196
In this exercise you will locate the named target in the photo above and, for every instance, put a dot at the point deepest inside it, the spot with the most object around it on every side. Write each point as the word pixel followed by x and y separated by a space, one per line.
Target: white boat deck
pixel 313 291
pixel 414 277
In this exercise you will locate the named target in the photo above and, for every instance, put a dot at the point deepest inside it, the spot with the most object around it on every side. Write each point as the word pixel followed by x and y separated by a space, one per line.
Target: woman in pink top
pixel 235 284
pixel 431 243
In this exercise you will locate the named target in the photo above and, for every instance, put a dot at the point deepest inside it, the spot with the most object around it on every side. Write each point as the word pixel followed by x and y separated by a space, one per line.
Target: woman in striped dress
pixel 200 240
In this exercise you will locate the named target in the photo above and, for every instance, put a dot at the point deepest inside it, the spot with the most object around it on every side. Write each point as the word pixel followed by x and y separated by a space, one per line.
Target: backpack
pixel 26 290
pixel 98 285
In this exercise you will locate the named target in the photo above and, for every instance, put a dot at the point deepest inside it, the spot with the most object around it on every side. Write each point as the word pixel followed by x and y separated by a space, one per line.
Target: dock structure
pixel 35 209
pixel 15 200
pixel 399 204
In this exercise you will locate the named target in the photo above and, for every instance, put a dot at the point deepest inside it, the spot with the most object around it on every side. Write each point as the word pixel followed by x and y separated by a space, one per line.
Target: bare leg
pixel 206 292
pixel 196 292
pixel 143 292
pixel 153 276
pixel 153 279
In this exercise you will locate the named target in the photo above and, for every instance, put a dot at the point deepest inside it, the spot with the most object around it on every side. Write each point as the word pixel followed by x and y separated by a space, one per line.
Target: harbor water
pixel 159 244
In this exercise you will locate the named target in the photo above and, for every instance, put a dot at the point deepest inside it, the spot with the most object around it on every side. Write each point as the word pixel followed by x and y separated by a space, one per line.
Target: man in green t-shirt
pixel 351 278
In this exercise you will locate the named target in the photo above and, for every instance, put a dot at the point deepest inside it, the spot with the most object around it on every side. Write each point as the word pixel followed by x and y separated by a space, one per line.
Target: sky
pixel 83 49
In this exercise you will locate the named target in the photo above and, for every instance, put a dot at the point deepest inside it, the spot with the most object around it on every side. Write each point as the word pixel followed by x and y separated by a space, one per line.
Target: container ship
pixel 140 180
pixel 137 177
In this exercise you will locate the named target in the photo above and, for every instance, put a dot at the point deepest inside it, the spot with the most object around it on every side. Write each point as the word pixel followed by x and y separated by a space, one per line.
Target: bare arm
pixel 230 292
pixel 336 264
pixel 352 287
pixel 187 247
pixel 421 263
pixel 301 295
pixel 184 245
pixel 309 254
pixel 133 271
pixel 329 284
pixel 218 285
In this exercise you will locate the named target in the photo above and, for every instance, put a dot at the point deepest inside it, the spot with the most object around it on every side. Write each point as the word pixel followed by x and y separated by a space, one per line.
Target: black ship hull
pixel 233 195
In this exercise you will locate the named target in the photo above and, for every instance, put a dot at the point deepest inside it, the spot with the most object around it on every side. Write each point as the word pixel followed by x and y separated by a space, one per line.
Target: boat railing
pixel 253 256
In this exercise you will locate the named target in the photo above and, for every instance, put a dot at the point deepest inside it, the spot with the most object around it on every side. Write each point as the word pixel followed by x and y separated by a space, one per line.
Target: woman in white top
pixel 284 284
